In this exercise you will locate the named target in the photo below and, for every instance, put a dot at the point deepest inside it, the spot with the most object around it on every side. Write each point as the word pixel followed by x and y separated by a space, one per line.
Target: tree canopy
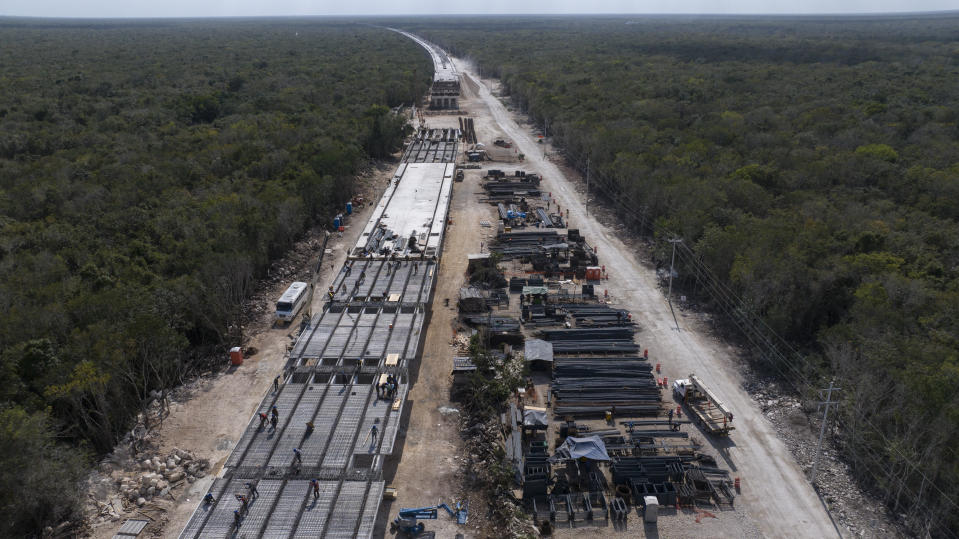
pixel 148 172
pixel 810 164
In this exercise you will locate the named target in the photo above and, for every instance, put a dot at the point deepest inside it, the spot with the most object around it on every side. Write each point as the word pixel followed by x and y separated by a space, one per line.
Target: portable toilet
pixel 652 508
pixel 349 208
pixel 236 355
pixel 336 222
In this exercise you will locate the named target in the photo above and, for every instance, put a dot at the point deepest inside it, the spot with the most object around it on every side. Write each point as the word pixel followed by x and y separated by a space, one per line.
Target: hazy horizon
pixel 109 9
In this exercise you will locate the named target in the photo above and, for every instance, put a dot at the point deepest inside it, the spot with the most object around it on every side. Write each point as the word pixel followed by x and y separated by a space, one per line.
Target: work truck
pixel 709 411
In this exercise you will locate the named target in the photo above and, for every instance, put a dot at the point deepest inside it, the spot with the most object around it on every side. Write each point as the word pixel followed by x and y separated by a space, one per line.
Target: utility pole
pixel 587 186
pixel 545 134
pixel 669 295
pixel 822 430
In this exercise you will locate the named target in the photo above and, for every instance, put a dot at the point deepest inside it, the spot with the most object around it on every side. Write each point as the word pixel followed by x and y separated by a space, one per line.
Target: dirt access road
pixel 431 467
pixel 776 495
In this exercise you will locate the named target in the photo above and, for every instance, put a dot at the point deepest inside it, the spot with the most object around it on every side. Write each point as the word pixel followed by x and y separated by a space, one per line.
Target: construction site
pixel 625 422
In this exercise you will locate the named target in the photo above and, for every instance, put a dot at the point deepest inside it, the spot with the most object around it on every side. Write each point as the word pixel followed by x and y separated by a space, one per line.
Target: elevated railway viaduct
pixel 371 328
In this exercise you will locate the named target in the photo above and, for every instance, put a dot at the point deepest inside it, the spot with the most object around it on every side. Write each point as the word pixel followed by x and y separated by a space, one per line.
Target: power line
pixel 750 330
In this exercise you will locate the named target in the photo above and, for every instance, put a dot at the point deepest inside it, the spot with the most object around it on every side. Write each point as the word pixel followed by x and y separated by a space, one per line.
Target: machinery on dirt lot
pixel 708 410
pixel 406 521
pixel 408 526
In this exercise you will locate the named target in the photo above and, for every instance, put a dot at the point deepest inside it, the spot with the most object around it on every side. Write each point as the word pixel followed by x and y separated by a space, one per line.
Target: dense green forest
pixel 813 166
pixel 149 171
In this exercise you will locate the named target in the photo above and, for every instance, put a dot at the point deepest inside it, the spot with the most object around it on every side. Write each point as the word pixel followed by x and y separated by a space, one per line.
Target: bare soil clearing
pixel 776 499
pixel 432 467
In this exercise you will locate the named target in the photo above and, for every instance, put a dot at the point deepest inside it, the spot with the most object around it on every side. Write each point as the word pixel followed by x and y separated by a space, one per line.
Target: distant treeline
pixel 813 166
pixel 148 173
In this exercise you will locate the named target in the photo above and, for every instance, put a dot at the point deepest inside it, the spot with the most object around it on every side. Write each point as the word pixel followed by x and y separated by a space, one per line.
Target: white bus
pixel 292 301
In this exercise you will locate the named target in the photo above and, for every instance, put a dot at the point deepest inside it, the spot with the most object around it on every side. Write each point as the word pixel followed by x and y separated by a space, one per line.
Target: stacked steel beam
pixel 609 340
pixel 591 386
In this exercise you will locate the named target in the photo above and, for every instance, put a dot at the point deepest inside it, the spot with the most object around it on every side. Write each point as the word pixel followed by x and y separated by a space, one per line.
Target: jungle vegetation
pixel 812 165
pixel 149 171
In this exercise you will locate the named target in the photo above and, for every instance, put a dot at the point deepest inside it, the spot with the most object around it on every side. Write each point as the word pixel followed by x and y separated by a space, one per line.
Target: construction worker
pixel 316 488
pixel 276 384
pixel 297 456
pixel 246 504
pixel 253 491
pixel 236 518
pixel 209 499
pixel 262 419
pixel 645 353
pixel 373 433
pixel 274 412
pixel 309 428
pixel 273 421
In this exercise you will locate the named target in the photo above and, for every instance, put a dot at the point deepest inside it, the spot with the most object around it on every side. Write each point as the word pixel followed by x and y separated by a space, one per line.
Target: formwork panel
pixel 293 434
pixel 313 520
pixel 220 522
pixel 250 432
pixel 326 418
pixel 258 453
pixel 357 343
pixel 380 336
pixel 259 507
pixel 384 281
pixel 375 414
pixel 428 283
pixel 340 446
pixel 402 272
pixel 374 497
pixel 349 506
pixel 400 334
pixel 194 527
pixel 341 336
pixel 393 423
pixel 411 292
pixel 287 511
pixel 412 347
pixel 312 342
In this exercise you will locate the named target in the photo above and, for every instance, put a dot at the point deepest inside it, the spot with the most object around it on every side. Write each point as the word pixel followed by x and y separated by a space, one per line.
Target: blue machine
pixel 429 513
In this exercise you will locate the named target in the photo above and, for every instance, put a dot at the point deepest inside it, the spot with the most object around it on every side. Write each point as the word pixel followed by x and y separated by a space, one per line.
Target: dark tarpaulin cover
pixel 535 417
pixel 590 447
pixel 538 350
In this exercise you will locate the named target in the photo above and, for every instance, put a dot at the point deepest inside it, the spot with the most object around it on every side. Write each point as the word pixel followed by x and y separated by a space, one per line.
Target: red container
pixel 236 355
